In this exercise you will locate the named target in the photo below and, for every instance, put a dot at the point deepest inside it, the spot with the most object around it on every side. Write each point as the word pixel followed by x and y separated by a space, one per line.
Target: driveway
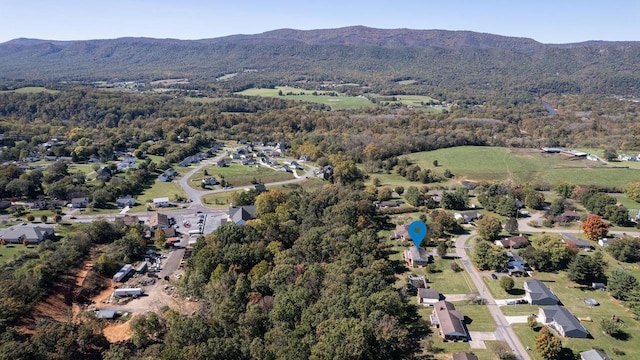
pixel 517 319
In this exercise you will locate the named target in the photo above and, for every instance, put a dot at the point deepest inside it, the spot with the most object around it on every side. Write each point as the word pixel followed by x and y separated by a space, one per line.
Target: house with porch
pixel 449 321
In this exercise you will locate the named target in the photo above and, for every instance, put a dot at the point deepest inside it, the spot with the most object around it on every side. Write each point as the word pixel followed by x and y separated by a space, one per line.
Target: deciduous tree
pixel 547 345
pixel 594 227
pixel 489 228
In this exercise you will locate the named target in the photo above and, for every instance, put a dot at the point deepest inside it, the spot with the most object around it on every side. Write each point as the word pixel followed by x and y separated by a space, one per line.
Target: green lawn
pixel 572 297
pixel 498 292
pixel 340 102
pixel 222 200
pixel 521 166
pixel 8 251
pixel 159 189
pixel 446 280
pixel 240 175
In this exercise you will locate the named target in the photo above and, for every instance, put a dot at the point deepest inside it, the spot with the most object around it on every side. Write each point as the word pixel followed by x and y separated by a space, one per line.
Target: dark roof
pixel 241 214
pixel 464 356
pixel 563 319
pixel 539 291
pixel 570 238
pixel 428 293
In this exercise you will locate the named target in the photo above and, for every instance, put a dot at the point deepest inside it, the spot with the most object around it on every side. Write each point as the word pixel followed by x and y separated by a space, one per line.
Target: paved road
pixel 523 226
pixel 196 194
pixel 503 330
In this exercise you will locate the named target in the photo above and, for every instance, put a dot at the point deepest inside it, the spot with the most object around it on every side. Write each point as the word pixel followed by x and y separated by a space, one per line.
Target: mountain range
pixel 436 58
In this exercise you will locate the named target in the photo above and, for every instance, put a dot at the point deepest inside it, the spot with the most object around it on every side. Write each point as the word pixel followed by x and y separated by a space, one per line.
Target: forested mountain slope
pixel 436 58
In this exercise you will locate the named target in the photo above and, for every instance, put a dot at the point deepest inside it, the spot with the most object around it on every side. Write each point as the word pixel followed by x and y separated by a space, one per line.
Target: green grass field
pixel 222 200
pixel 340 102
pixel 240 175
pixel 521 166
pixel 32 89
pixel 159 189
pixel 8 251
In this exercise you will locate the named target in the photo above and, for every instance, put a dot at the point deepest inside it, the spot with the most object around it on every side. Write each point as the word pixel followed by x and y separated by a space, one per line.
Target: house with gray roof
pixel 33 233
pixel 537 293
pixel 428 297
pixel 562 320
pixel 239 215
pixel 415 257
pixel 571 239
pixel 593 354
pixel 464 356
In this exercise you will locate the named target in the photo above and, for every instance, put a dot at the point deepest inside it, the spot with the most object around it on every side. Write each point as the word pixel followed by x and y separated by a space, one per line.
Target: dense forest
pixel 369 57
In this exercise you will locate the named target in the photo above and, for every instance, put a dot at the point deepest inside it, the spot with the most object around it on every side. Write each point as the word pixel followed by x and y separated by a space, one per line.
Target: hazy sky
pixel 547 21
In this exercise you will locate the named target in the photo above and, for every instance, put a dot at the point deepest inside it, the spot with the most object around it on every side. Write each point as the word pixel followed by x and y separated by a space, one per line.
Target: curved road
pixel 503 329
pixel 196 195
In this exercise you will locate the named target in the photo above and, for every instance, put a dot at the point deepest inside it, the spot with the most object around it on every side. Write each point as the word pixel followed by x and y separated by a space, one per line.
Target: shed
pixel 106 314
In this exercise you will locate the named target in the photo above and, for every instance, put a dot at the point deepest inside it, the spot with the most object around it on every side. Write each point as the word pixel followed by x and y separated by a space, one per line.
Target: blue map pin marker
pixel 417 230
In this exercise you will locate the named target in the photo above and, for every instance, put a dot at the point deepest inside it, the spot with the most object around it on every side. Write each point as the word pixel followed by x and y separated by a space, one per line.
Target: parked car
pixel 494 276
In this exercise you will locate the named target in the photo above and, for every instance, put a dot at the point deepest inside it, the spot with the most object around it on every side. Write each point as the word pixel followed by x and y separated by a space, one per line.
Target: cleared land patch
pixel 522 166
pixel 338 101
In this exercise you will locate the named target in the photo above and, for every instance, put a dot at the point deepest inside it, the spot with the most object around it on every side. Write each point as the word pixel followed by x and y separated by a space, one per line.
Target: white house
pixel 161 202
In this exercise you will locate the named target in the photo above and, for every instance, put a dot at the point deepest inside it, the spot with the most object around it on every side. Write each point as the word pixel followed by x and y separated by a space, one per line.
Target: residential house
pixel 294 164
pixel 568 216
pixel 467 216
pixel 419 282
pixel 562 320
pixel 416 257
pixel 604 242
pixel 125 201
pixel 260 188
pixel 464 356
pixel 581 244
pixel 130 220
pixel 161 202
pixel 209 181
pixel 516 266
pixel 514 242
pixel 537 293
pixel 222 163
pixel 305 157
pixel 158 220
pixel 594 354
pixel 428 297
pixel 239 215
pixel 104 173
pixel 38 205
pixel 32 233
pixel 449 321
pixel 80 202
pixel 168 175
pixel 388 204
pixel 402 232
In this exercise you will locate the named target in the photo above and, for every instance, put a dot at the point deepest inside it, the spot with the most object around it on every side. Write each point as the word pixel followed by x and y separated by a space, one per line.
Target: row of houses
pixel 555 316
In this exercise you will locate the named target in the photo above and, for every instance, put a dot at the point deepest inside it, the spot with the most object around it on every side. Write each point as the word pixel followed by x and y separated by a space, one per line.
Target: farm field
pixel 340 102
pixel 31 89
pixel 476 163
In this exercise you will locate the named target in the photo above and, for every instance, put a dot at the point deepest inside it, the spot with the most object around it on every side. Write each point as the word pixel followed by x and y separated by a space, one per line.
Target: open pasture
pixel 522 166
pixel 338 102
